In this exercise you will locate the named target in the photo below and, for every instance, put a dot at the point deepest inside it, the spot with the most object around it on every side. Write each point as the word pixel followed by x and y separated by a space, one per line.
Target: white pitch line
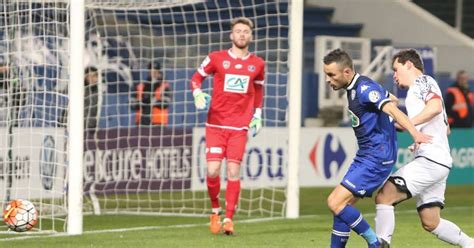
pixel 146 228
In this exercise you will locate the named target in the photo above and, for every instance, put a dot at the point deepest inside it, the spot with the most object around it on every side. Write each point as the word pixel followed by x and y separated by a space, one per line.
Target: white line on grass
pixel 146 228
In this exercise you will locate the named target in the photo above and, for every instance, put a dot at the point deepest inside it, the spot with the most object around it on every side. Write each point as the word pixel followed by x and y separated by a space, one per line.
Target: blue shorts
pixel 364 176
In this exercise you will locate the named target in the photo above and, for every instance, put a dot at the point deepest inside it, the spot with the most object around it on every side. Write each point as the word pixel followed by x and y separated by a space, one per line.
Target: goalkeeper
pixel 235 108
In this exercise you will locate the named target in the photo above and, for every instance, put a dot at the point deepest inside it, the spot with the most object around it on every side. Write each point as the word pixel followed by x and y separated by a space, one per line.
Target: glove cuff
pixel 258 113
pixel 196 92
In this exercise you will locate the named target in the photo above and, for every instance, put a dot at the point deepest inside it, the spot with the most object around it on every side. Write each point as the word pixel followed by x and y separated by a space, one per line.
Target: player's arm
pixel 257 122
pixel 392 110
pixel 393 98
pixel 432 108
pixel 201 99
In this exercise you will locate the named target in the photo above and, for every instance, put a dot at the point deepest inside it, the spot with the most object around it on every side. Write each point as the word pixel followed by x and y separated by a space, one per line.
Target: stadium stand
pixel 446 10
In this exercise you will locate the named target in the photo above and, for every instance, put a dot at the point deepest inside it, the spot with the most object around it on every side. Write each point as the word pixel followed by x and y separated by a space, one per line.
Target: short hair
pixel 90 69
pixel 340 57
pixel 242 20
pixel 460 72
pixel 409 55
pixel 154 65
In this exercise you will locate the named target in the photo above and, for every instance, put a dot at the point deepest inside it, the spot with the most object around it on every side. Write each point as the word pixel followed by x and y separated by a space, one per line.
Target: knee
pixel 233 175
pixel 429 225
pixel 333 204
pixel 213 172
pixel 381 198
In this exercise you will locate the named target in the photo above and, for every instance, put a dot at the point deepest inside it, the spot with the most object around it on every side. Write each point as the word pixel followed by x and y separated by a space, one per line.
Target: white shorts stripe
pixel 227 127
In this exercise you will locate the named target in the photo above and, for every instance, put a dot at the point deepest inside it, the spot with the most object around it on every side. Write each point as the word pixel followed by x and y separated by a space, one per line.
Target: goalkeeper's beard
pixel 242 47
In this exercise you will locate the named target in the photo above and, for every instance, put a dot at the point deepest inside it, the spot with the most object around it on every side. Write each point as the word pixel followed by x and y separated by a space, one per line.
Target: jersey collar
pixel 235 57
pixel 354 79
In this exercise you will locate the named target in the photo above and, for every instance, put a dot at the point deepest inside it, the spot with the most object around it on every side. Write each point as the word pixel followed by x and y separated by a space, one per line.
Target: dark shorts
pixel 364 177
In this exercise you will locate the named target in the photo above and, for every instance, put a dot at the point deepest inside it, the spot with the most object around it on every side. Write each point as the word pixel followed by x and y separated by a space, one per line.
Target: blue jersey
pixel 375 131
pixel 375 134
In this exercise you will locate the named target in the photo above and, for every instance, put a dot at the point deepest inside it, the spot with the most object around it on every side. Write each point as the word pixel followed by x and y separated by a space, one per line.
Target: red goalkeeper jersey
pixel 237 89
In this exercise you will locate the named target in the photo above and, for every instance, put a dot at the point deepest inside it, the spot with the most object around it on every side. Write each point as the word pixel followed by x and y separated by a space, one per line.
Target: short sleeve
pixel 373 94
pixel 425 89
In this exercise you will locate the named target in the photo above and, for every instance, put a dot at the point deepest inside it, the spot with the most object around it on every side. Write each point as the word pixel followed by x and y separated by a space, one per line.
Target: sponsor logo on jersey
pixel 251 68
pixel 236 83
pixel 238 66
pixel 355 121
pixel 226 64
pixel 329 156
pixel 374 96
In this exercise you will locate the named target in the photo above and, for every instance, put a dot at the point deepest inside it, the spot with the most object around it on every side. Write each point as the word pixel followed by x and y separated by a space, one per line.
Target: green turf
pixel 311 230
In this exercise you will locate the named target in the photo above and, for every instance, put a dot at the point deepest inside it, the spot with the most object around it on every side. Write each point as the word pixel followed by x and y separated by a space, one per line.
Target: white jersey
pixel 424 89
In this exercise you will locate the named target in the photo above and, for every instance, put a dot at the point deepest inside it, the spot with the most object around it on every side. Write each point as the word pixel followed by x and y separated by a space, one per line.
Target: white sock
pixel 384 221
pixel 216 210
pixel 451 233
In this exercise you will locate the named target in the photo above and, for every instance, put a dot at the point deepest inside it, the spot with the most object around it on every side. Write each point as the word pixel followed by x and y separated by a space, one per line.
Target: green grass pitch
pixel 312 229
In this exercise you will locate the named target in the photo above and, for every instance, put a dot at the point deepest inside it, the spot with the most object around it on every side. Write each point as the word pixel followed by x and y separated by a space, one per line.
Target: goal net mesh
pixel 131 166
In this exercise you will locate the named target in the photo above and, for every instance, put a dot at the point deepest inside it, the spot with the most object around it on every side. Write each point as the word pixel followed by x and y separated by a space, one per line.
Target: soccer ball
pixel 20 215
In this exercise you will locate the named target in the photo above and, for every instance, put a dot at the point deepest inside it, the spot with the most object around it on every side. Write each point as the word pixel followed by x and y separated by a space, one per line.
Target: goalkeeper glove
pixel 201 100
pixel 256 123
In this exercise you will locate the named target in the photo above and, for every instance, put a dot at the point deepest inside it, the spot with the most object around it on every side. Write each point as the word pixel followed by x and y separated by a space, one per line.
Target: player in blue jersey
pixel 372 113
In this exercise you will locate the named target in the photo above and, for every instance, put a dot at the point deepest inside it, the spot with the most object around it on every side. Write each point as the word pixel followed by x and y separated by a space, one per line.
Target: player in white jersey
pixel 424 177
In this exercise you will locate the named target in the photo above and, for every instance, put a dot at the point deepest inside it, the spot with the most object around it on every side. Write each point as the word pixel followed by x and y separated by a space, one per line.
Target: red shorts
pixel 225 143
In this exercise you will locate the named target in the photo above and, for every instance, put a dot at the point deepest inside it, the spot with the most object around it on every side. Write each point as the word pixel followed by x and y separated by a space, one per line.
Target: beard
pixel 242 45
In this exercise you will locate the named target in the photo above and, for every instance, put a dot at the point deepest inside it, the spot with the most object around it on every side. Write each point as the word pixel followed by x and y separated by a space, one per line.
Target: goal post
pixel 106 159
pixel 294 125
pixel 76 118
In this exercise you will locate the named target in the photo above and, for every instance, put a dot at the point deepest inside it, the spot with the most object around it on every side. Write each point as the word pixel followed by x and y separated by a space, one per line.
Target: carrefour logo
pixel 236 83
pixel 332 153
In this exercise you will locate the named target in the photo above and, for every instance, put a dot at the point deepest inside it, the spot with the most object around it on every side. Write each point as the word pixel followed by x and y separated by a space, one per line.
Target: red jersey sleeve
pixel 259 81
pixel 206 68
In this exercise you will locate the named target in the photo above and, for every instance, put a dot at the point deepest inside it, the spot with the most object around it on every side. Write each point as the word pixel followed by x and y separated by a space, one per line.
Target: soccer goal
pixel 71 146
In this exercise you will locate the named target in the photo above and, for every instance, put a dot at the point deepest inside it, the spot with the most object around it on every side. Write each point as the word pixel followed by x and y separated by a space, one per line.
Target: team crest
pixel 238 66
pixel 226 64
pixel 374 96
pixel 251 68
pixel 353 94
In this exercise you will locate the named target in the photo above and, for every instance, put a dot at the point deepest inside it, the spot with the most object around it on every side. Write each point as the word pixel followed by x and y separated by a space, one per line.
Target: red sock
pixel 213 189
pixel 231 198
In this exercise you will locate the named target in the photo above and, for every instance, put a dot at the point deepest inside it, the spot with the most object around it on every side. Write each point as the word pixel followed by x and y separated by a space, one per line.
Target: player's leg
pixel 340 229
pixel 429 208
pixel 213 182
pixel 361 180
pixel 214 154
pixel 235 151
pixel 393 192
pixel 213 189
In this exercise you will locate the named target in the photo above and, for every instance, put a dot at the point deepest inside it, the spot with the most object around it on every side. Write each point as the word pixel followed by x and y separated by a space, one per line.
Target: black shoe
pixel 384 244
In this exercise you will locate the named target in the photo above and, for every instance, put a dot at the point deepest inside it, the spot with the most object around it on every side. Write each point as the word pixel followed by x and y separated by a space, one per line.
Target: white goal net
pixel 132 163
pixel 33 101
